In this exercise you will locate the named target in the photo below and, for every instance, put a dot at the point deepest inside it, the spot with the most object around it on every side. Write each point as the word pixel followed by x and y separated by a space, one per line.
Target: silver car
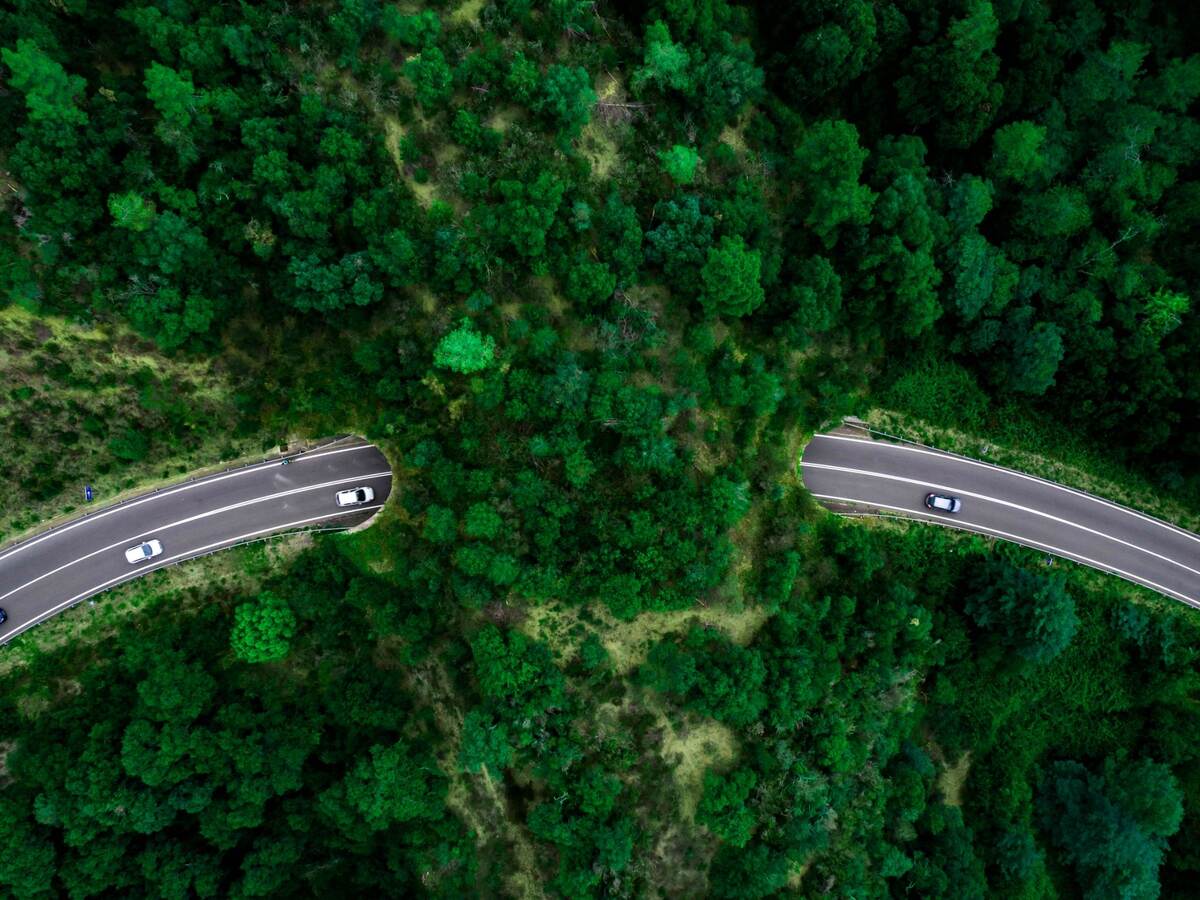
pixel 355 496
pixel 143 552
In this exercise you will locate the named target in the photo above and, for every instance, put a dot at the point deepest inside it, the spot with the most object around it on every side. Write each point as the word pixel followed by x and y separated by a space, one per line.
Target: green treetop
pixel 465 350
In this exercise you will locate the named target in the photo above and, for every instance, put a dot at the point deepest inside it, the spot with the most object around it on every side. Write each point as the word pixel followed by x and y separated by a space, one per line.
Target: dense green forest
pixel 591 273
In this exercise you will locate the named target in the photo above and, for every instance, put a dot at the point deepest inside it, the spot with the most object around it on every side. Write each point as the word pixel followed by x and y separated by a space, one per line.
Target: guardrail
pixel 855 422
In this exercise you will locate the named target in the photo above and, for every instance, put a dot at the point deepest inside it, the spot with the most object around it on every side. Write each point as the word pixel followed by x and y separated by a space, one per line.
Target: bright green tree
pixel 680 163
pixel 263 629
pixel 51 95
pixel 131 211
pixel 731 279
pixel 1017 152
pixel 465 350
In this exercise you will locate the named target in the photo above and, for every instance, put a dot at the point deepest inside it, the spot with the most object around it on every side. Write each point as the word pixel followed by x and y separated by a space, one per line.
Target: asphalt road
pixel 855 474
pixel 52 571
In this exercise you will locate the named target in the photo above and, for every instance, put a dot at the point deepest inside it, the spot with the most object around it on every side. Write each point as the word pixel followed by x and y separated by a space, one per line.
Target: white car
pixel 143 552
pixel 355 496
pixel 943 502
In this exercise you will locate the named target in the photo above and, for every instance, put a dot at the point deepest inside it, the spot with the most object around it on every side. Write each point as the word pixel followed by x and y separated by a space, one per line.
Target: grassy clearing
pixel 598 141
pixel 218 578
pixel 952 779
pixel 691 749
pixel 563 629
pixel 374 549
pixel 467 13
pixel 478 800
pixel 101 406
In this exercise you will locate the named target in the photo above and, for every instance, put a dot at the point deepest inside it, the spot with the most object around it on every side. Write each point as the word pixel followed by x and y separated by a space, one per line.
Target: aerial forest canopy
pixel 590 273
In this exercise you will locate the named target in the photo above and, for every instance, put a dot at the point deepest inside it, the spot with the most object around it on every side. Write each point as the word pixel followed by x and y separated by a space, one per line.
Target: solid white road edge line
pixel 167 492
pixel 954 457
pixel 1025 542
pixel 1008 503
pixel 179 557
pixel 204 515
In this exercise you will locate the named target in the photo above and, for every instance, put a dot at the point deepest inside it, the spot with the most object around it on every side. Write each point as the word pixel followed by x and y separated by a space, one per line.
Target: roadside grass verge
pixel 222 578
pixel 102 407
pixel 940 404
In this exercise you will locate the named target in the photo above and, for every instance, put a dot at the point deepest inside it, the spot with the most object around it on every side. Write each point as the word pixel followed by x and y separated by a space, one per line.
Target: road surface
pixel 56 569
pixel 852 473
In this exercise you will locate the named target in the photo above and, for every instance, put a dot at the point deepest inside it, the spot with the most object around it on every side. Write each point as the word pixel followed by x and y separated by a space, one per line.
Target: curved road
pixel 54 570
pixel 854 474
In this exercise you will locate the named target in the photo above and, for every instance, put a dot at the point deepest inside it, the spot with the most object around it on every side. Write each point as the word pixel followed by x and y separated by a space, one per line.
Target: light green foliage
pixel 262 629
pixel 51 95
pixel 679 163
pixel 731 279
pixel 131 211
pixel 465 350
pixel 828 165
pixel 1164 312
pixel 665 63
pixel 1017 151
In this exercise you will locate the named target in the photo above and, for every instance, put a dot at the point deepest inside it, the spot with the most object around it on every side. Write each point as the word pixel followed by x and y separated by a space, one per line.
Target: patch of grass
pixel 103 407
pixel 211 579
pixel 952 778
pixel 467 12
pixel 373 549
pixel 691 749
pixel 598 142
pixel 628 643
